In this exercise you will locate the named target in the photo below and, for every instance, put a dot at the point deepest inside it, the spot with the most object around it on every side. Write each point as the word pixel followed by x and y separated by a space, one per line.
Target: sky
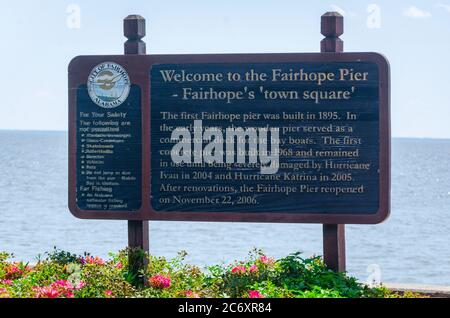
pixel 39 39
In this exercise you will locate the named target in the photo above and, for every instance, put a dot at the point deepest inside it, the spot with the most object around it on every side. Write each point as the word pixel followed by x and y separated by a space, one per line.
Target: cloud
pixel 342 12
pixel 446 7
pixel 338 9
pixel 414 12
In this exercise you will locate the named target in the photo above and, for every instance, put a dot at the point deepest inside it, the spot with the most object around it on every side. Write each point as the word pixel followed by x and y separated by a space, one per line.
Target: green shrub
pixel 61 274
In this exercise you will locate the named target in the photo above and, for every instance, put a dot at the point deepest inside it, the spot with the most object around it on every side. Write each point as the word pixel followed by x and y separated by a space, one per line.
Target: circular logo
pixel 108 85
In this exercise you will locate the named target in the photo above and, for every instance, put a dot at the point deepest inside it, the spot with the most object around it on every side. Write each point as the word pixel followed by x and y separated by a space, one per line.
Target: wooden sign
pixel 254 137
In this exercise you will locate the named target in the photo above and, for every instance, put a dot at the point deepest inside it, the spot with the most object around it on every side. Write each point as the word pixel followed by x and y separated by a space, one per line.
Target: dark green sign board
pixel 328 137
pixel 263 137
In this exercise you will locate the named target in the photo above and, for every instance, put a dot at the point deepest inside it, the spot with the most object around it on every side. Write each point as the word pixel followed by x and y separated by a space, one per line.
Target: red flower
pixel 255 294
pixel 15 271
pixel 63 284
pixel 60 288
pixel 46 292
pixel 108 293
pixel 266 260
pixel 253 269
pixel 94 260
pixel 160 282
pixel 191 294
pixel 239 270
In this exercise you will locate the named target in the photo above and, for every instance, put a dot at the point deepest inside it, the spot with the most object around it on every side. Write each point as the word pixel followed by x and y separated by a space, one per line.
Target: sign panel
pixel 264 138
pixel 109 156
pixel 327 136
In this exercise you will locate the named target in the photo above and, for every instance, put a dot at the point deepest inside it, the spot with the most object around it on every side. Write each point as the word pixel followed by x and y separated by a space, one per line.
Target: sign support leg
pixel 138 231
pixel 138 235
pixel 138 245
pixel 332 27
pixel 334 246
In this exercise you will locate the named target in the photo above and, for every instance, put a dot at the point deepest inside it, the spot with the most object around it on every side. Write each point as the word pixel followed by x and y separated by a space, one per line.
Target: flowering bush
pixel 239 270
pixel 93 260
pixel 159 282
pixel 64 275
pixel 15 271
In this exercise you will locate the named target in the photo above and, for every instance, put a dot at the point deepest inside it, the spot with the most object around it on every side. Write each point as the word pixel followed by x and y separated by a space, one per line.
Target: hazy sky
pixel 39 38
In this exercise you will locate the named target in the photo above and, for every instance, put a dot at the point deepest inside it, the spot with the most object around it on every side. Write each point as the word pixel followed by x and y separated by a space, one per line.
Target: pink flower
pixel 108 293
pixel 94 260
pixel 266 260
pixel 4 293
pixel 69 294
pixel 7 282
pixel 46 292
pixel 63 284
pixel 255 294
pixel 119 265
pixel 60 288
pixel 80 285
pixel 191 294
pixel 253 269
pixel 15 271
pixel 160 281
pixel 239 270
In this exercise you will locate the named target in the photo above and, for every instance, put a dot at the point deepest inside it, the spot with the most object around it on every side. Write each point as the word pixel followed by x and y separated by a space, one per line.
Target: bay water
pixel 412 246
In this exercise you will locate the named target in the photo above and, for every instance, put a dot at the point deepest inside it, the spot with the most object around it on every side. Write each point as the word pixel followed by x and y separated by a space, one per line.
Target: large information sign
pixel 266 138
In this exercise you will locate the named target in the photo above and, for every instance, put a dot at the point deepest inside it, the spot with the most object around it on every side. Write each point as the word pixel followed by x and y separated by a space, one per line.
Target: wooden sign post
pixel 281 138
pixel 332 27
pixel 134 29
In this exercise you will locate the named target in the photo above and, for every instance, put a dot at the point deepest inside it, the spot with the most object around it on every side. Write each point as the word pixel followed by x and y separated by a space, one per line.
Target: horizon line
pixel 66 131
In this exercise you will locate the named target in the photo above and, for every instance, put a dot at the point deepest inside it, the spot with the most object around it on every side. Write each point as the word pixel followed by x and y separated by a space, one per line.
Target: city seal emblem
pixel 108 85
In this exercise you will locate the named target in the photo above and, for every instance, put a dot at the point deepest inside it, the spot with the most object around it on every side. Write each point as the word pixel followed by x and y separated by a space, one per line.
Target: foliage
pixel 62 257
pixel 61 274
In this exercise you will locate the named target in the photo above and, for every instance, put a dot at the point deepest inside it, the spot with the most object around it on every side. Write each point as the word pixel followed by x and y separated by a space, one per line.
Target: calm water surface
pixel 412 246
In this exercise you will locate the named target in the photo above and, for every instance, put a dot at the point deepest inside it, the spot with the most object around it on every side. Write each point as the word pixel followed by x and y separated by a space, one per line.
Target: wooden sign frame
pixel 138 68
